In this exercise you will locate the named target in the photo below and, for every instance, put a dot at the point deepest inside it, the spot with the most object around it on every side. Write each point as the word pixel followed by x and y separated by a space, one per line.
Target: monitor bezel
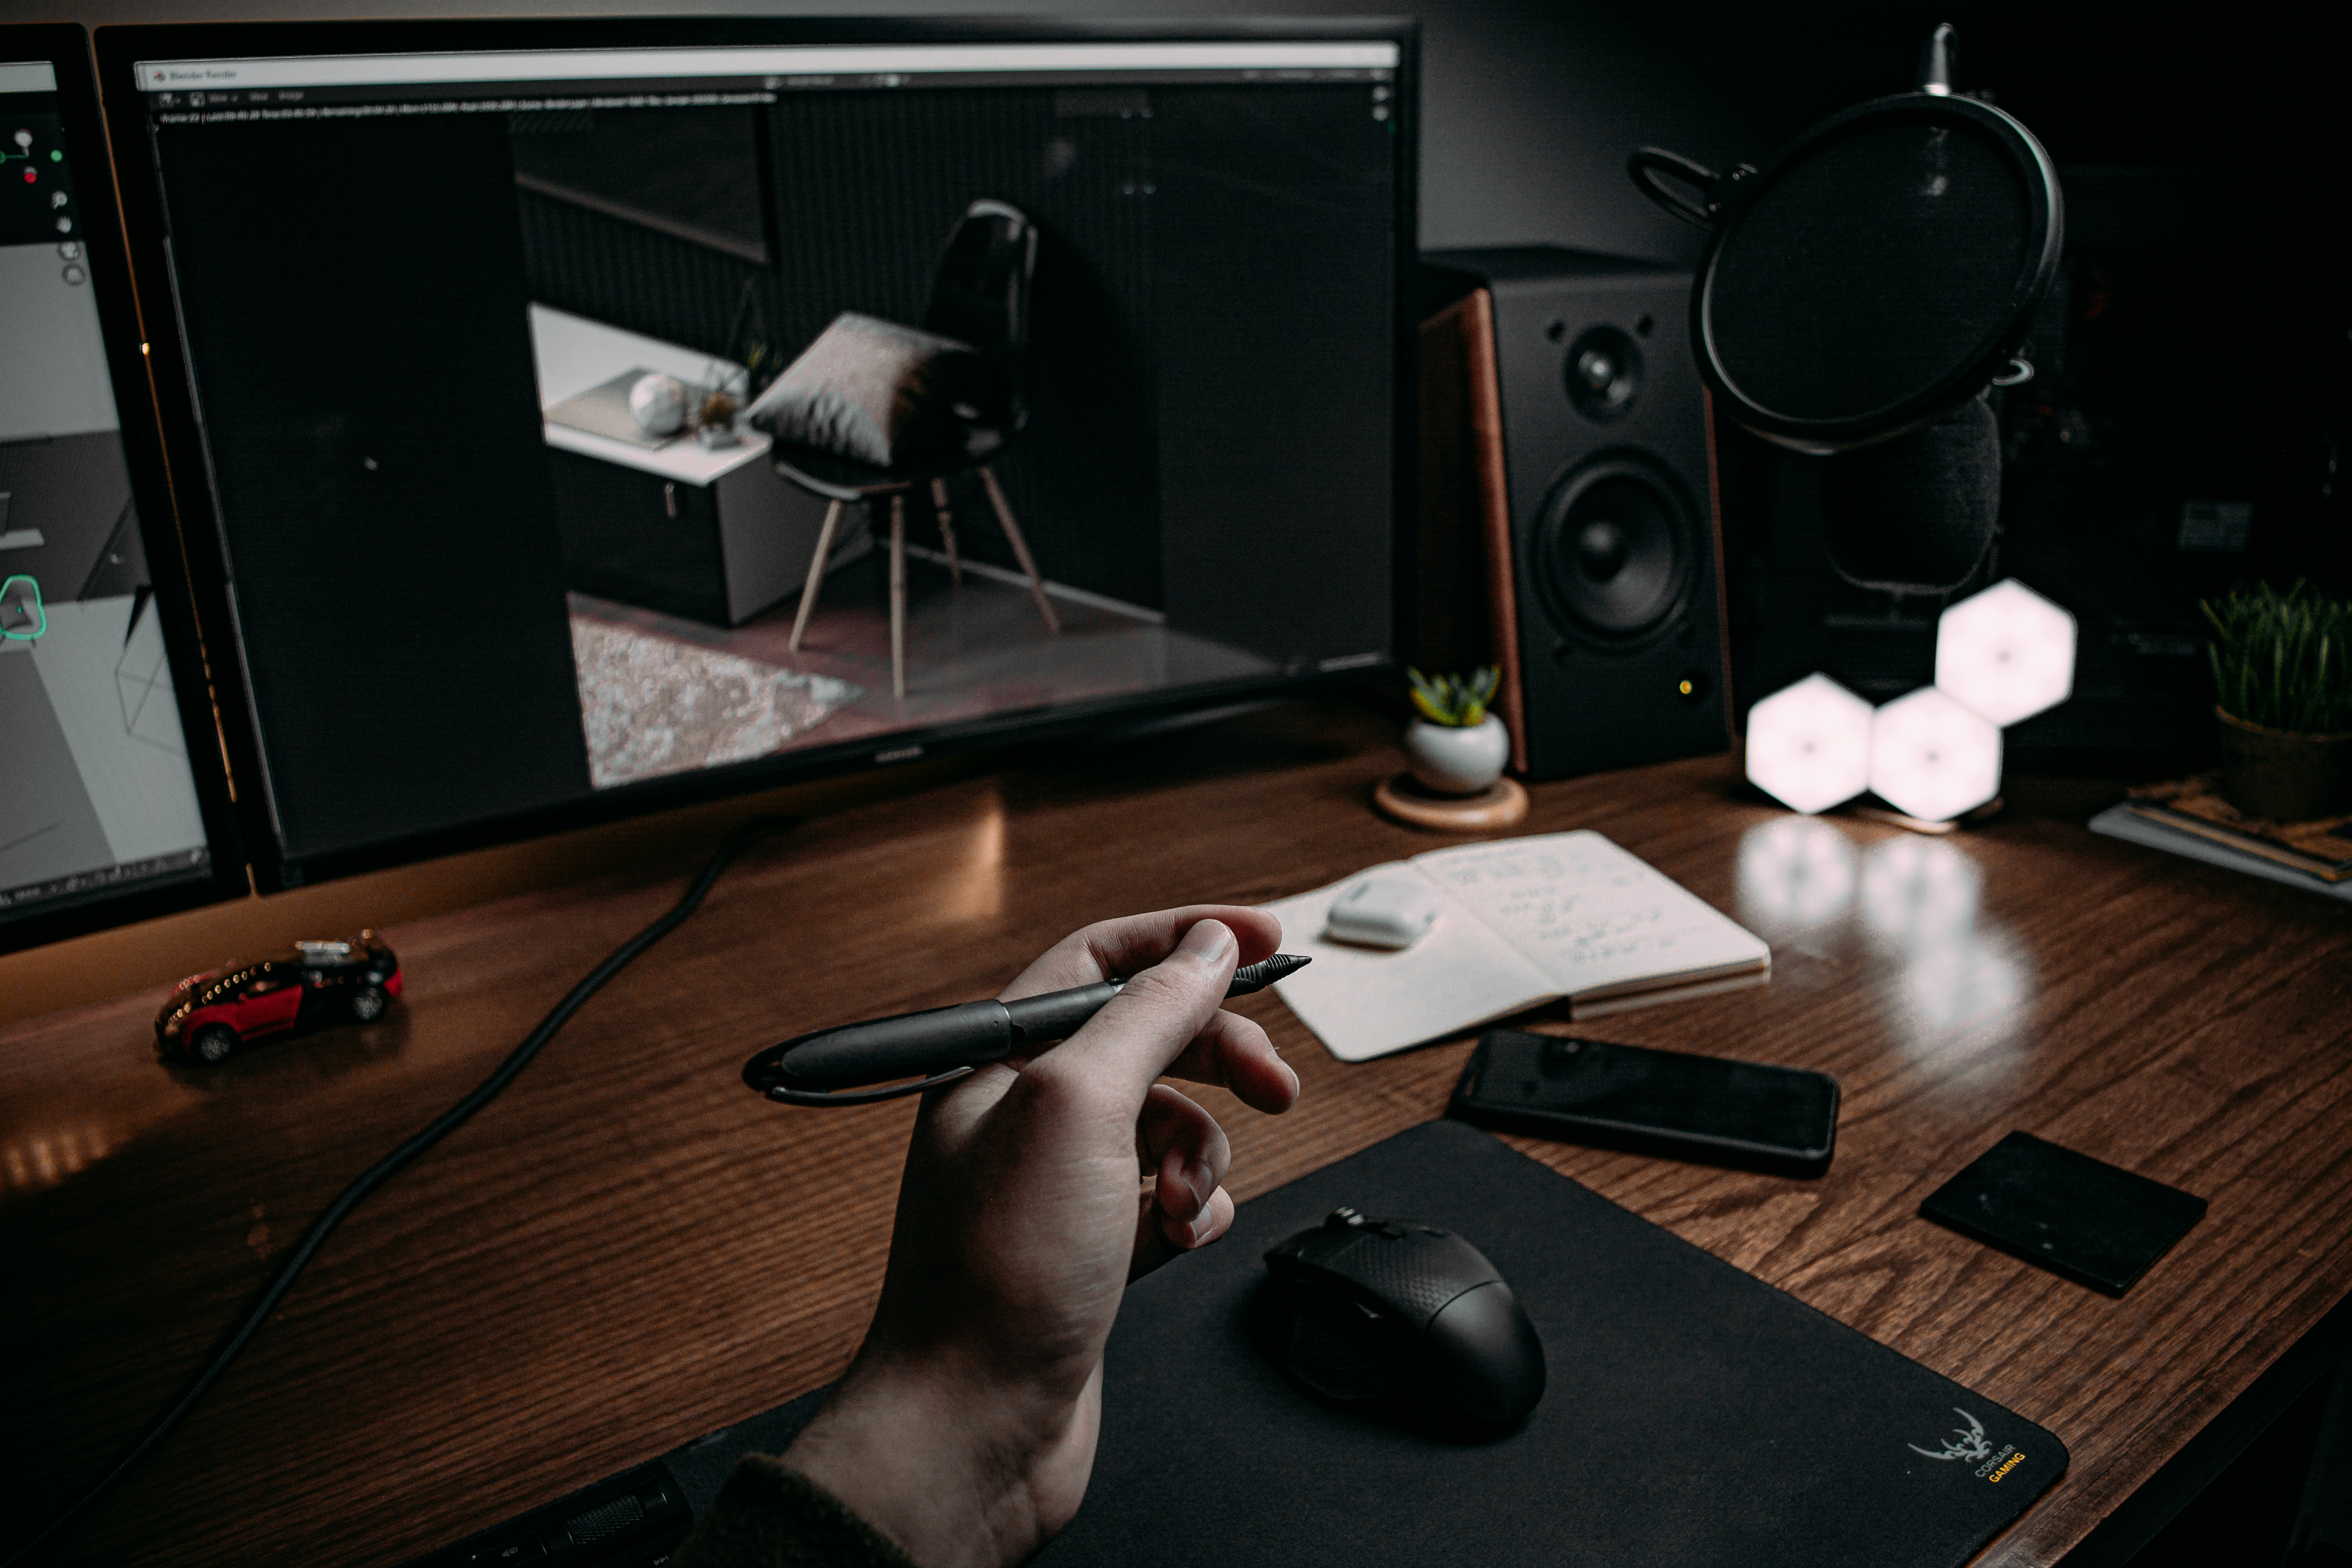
pixel 119 48
pixel 66 47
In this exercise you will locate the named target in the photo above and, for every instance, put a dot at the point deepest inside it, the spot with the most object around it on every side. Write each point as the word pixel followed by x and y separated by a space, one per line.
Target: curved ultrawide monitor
pixel 114 806
pixel 585 417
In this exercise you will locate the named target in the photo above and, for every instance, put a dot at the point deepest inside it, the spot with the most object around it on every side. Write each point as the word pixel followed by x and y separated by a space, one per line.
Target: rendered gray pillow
pixel 877 392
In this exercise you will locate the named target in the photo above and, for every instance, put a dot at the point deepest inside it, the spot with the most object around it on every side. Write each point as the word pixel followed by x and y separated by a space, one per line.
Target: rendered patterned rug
pixel 651 706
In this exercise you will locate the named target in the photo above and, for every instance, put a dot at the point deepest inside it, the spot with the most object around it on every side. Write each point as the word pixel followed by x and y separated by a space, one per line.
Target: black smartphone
pixel 1781 1120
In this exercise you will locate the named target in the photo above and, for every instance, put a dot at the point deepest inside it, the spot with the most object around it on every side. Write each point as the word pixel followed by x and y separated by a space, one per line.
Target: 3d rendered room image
pixel 876 348
pixel 882 788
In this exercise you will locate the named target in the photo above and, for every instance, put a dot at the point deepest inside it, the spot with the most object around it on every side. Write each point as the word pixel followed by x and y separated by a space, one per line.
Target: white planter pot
pixel 1451 761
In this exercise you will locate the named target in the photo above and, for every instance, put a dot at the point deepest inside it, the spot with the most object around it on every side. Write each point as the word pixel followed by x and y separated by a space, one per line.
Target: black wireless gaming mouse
pixel 1405 1319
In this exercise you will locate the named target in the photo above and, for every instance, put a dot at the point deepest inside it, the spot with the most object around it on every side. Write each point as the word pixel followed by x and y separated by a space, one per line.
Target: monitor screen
pixel 586 427
pixel 101 817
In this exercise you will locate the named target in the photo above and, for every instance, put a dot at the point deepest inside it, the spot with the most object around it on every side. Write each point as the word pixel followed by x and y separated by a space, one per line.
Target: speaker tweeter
pixel 1603 372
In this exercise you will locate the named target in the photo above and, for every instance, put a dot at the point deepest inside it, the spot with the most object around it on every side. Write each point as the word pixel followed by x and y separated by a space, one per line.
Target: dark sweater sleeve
pixel 768 1516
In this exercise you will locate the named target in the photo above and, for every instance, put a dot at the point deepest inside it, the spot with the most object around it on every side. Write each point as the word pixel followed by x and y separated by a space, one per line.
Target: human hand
pixel 965 1427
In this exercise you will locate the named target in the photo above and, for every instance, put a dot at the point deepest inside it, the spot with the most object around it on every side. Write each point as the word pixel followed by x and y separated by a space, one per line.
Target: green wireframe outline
pixel 39 611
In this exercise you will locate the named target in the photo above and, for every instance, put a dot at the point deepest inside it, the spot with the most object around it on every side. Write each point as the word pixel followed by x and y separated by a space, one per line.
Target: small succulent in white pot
pixel 1456 747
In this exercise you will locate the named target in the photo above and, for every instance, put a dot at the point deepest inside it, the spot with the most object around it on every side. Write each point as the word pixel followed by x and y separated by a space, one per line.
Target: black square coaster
pixel 2092 1222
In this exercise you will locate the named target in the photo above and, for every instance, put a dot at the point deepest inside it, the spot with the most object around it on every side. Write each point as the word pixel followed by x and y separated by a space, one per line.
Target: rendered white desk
pixel 765 528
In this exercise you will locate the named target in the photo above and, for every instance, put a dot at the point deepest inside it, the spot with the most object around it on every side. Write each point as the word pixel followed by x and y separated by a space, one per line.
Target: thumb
pixel 1128 1044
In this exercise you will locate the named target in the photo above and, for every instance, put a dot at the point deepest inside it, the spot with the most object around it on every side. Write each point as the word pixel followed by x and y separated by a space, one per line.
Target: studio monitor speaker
pixel 1568 524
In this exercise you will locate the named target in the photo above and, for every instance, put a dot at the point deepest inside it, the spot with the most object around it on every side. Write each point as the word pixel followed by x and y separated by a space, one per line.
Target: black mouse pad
pixel 1695 1417
pixel 2096 1224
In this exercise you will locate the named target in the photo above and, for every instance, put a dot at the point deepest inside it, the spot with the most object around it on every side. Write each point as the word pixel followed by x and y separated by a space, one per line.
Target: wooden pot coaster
pixel 1499 804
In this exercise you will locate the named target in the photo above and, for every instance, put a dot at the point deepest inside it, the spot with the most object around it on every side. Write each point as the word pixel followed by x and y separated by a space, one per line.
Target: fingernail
pixel 1202 1185
pixel 1198 1229
pixel 1207 938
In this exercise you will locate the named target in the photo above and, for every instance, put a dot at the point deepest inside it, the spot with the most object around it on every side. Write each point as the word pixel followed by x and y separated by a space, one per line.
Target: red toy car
pixel 310 985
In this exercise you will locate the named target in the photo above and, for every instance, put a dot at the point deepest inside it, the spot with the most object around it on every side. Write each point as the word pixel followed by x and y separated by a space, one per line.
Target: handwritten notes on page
pixel 1595 919
pixel 1527 921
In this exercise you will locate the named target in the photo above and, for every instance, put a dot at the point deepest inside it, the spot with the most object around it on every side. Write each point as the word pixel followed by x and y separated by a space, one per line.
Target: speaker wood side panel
pixel 1465 511
pixel 1722 581
pixel 1493 483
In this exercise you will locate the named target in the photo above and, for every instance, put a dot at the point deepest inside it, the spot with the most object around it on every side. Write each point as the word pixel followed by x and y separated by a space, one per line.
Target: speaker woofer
pixel 1614 550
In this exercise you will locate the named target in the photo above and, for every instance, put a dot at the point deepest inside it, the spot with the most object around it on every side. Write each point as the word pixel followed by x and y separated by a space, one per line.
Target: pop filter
pixel 1860 292
pixel 1874 276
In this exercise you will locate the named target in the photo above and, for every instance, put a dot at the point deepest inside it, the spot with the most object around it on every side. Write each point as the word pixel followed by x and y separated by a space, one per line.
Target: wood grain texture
pixel 628 1250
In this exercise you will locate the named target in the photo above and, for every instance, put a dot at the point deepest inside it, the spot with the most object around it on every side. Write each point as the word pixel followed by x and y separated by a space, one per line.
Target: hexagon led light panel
pixel 1931 758
pixel 1809 745
pixel 2006 654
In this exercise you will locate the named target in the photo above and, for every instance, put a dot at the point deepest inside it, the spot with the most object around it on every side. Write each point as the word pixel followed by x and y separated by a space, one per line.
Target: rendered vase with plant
pixel 2282 694
pixel 1456 747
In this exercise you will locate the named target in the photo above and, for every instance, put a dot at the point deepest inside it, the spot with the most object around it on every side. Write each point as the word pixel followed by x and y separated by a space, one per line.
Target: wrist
pixel 905 1455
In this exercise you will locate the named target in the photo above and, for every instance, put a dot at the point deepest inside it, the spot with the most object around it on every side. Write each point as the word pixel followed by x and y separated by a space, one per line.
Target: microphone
pixel 1915 514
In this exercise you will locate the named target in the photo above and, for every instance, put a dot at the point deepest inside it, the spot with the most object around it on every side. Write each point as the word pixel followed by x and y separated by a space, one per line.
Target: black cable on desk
pixel 390 1165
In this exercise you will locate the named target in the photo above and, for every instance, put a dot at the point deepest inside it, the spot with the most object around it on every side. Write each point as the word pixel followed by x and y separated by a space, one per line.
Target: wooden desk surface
pixel 628 1250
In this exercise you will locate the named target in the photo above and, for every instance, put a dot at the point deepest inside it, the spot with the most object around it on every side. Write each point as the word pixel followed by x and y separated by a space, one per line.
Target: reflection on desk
pixel 1917 900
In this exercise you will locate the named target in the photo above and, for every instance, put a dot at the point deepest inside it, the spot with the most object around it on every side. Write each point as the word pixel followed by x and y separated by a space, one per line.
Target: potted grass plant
pixel 2282 693
pixel 1456 747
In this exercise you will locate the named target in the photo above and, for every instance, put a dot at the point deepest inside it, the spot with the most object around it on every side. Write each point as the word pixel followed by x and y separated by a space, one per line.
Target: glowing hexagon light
pixel 1809 745
pixel 1931 758
pixel 2006 654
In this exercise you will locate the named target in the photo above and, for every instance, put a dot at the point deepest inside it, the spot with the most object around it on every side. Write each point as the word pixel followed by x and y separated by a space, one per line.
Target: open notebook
pixel 1525 921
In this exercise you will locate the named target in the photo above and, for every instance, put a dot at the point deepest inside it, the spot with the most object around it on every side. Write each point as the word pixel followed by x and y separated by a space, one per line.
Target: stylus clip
pixel 783 1096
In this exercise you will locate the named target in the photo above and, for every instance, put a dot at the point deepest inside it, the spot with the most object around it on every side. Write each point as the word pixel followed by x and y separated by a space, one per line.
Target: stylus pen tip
pixel 1258 976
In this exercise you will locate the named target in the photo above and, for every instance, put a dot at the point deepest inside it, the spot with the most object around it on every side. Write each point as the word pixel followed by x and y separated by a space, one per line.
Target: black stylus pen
pixel 828 1067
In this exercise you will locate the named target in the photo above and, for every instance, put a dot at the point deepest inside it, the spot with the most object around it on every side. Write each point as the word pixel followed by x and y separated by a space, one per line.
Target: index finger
pixel 1120 949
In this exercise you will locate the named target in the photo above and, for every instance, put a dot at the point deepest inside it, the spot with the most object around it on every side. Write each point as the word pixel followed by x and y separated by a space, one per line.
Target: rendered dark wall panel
pixel 625 275
pixel 1278 457
pixel 325 321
